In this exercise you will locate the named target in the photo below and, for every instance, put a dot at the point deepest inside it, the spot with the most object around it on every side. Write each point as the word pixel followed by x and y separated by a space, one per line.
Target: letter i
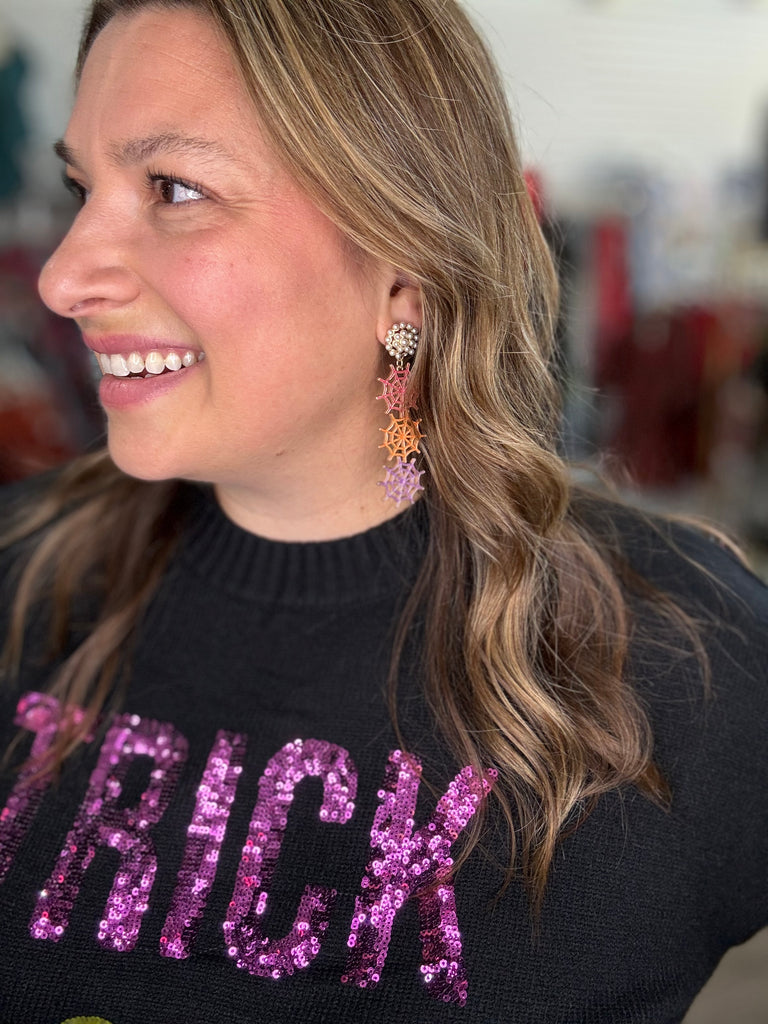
pixel 215 796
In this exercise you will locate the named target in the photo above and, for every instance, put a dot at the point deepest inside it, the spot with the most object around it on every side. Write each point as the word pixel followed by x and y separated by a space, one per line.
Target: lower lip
pixel 124 392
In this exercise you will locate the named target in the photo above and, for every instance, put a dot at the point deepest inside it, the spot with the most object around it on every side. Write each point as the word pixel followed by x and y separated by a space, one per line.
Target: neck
pixel 334 506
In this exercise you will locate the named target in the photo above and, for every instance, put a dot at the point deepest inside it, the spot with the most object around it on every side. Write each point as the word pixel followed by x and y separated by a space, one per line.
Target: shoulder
pixel 27 509
pixel 698 661
pixel 20 504
pixel 21 498
pixel 698 653
pixel 682 561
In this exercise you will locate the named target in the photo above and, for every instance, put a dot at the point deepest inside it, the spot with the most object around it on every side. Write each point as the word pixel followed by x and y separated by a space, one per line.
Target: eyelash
pixel 152 179
pixel 73 187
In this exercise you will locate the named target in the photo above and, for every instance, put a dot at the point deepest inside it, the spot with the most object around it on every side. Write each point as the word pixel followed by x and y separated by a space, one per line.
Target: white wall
pixel 679 85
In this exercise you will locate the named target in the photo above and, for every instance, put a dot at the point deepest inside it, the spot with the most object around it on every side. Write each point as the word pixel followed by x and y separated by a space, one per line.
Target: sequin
pixel 205 834
pixel 100 822
pixel 250 949
pixel 41 714
pixel 406 865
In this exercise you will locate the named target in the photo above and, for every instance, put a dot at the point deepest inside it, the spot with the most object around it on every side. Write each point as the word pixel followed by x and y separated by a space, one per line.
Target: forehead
pixel 161 67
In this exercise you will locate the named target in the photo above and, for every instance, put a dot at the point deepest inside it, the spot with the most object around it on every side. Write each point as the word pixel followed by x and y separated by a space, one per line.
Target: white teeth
pixel 154 362
pixel 135 363
pixel 118 366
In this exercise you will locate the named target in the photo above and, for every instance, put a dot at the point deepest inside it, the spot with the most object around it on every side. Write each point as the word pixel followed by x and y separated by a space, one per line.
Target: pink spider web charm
pixel 394 388
pixel 402 481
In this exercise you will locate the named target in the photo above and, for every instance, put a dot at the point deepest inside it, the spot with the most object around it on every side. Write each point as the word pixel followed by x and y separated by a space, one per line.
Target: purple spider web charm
pixel 402 481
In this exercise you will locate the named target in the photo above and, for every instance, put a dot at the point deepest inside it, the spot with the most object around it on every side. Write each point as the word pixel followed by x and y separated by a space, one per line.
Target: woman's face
pixel 194 244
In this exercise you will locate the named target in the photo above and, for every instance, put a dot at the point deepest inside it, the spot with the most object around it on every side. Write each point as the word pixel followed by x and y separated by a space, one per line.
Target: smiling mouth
pixel 153 364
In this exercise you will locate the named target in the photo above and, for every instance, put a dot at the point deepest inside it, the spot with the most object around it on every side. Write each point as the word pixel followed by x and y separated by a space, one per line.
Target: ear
pixel 401 305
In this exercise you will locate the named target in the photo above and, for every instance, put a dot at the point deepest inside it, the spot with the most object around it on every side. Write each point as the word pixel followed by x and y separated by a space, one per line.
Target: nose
pixel 90 271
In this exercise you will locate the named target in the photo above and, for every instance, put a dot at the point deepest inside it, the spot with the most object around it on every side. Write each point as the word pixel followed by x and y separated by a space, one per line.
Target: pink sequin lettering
pixel 40 714
pixel 417 865
pixel 100 822
pixel 205 835
pixel 250 949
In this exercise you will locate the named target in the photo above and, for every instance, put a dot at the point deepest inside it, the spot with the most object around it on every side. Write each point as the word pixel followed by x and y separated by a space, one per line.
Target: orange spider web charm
pixel 401 437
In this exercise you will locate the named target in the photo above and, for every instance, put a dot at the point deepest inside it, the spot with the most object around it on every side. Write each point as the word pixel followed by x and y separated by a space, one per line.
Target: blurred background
pixel 644 128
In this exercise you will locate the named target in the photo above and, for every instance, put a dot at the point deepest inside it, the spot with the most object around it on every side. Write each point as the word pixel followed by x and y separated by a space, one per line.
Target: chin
pixel 141 461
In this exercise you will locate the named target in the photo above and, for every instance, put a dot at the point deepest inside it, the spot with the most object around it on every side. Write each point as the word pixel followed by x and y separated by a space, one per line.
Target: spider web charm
pixel 401 437
pixel 402 481
pixel 394 389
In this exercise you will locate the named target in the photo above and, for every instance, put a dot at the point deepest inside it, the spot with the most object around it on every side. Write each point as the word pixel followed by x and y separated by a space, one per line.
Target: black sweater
pixel 246 844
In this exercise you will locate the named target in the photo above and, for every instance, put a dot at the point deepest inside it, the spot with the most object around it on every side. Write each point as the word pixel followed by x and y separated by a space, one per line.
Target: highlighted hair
pixel 392 117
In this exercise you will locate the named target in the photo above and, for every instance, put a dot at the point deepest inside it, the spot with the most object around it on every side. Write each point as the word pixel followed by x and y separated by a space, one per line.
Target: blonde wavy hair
pixel 392 117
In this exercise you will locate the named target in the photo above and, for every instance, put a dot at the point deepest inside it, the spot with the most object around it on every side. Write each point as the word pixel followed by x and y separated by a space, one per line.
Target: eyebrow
pixel 136 151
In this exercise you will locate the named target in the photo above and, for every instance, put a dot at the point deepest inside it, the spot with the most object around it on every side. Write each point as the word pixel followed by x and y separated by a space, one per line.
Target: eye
pixel 173 191
pixel 75 188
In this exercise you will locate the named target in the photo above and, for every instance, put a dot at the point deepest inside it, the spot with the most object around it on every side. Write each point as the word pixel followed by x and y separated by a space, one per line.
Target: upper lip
pixel 124 344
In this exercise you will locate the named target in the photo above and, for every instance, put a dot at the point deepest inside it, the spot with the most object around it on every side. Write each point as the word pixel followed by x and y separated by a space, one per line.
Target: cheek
pixel 278 320
pixel 234 288
pixel 212 284
pixel 206 296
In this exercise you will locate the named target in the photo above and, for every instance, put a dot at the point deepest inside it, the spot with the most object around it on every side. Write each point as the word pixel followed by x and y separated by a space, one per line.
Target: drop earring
pixel 402 481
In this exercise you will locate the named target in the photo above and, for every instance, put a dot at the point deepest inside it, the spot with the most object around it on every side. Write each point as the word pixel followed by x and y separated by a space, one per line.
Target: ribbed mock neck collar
pixel 378 562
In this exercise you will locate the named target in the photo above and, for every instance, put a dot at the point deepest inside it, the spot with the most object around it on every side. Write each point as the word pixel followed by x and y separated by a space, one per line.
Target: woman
pixel 555 823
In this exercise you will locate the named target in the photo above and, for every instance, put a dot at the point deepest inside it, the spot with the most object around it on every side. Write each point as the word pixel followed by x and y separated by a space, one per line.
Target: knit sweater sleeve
pixel 711 733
